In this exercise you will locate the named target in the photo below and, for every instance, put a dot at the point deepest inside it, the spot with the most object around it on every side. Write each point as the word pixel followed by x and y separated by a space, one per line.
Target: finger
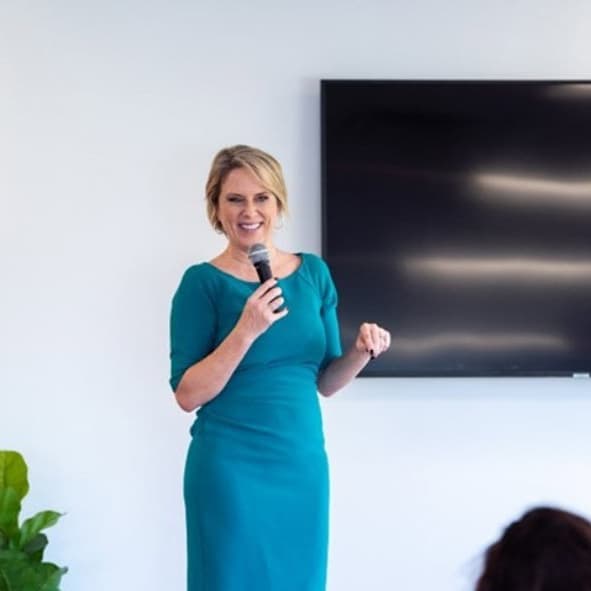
pixel 387 340
pixel 263 288
pixel 278 314
pixel 364 340
pixel 374 339
pixel 383 342
pixel 377 333
pixel 276 303
pixel 272 294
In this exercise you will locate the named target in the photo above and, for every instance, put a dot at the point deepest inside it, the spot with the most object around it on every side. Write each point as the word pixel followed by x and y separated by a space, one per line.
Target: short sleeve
pixel 192 324
pixel 330 318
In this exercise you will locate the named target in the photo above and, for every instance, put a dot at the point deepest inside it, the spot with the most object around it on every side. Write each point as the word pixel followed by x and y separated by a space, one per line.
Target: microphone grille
pixel 258 253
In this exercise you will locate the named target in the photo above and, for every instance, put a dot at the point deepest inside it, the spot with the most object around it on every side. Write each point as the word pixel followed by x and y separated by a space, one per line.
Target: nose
pixel 249 208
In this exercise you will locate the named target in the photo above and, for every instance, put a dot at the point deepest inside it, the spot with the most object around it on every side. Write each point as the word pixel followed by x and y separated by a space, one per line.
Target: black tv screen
pixel 458 215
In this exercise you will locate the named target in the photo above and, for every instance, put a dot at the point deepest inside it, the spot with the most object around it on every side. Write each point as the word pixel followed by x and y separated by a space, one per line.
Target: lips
pixel 250 227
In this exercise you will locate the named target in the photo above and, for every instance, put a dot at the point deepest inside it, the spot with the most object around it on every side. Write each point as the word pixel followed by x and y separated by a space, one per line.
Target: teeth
pixel 250 226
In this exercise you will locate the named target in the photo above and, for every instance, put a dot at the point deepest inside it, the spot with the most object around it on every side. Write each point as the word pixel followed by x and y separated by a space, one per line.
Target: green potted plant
pixel 22 546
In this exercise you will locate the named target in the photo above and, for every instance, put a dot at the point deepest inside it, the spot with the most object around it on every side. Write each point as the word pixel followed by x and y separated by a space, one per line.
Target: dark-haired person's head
pixel 548 549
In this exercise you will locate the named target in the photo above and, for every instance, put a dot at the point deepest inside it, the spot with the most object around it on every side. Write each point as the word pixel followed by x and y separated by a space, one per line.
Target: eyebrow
pixel 266 193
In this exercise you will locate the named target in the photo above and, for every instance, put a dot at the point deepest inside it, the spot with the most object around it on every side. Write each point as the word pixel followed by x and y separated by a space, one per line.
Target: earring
pixel 279 223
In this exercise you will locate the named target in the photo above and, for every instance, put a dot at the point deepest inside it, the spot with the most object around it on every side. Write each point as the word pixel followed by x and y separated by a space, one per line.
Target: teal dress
pixel 256 475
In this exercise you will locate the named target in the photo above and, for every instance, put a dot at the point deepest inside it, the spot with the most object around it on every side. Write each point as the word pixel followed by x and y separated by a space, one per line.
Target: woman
pixel 548 549
pixel 252 357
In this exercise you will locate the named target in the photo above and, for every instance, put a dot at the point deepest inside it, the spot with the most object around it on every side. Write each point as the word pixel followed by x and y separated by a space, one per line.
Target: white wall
pixel 109 115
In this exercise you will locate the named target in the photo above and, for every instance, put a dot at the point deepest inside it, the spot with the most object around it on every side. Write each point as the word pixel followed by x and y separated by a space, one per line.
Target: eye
pixel 262 198
pixel 235 198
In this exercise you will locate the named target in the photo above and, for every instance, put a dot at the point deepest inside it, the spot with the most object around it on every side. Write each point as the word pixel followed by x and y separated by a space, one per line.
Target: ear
pixel 219 228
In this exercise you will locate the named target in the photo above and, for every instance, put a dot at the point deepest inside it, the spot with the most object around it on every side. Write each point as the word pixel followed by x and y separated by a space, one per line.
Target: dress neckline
pixel 247 282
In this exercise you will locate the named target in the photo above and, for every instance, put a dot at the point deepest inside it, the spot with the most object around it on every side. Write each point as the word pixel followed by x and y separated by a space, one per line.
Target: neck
pixel 241 256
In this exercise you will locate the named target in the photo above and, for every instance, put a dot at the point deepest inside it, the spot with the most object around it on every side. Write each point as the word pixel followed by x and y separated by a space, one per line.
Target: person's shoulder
pixel 316 272
pixel 315 263
pixel 197 277
pixel 197 285
pixel 197 272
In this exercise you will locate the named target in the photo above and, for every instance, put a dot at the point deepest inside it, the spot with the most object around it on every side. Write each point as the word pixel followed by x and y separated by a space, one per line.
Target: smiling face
pixel 246 210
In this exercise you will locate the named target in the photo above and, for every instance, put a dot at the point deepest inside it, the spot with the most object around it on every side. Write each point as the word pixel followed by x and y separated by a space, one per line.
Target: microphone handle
pixel 263 270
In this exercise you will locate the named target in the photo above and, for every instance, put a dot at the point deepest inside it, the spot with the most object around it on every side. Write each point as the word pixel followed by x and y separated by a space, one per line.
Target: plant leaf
pixel 13 473
pixel 3 542
pixel 11 556
pixel 35 548
pixel 20 574
pixel 54 576
pixel 32 526
pixel 10 507
pixel 4 584
pixel 21 550
pixel 11 562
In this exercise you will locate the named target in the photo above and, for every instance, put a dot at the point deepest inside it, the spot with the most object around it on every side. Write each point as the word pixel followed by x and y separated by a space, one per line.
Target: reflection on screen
pixel 458 215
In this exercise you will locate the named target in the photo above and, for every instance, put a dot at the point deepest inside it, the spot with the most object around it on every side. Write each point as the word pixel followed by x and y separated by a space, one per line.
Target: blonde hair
pixel 263 166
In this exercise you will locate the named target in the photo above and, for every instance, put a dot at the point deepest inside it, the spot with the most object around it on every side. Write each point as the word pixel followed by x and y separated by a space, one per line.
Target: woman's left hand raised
pixel 372 339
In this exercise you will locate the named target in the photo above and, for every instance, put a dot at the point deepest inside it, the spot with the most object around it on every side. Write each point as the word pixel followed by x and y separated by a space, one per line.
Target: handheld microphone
pixel 259 257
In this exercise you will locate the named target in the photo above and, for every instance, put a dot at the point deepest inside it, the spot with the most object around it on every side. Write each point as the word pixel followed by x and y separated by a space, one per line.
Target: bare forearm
pixel 342 371
pixel 372 340
pixel 204 380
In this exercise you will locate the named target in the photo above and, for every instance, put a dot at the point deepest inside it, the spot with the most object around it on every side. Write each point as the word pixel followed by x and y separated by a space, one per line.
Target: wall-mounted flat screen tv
pixel 458 215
